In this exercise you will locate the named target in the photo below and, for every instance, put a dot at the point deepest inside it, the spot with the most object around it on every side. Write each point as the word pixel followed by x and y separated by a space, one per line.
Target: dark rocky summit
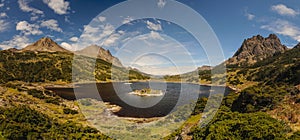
pixel 257 48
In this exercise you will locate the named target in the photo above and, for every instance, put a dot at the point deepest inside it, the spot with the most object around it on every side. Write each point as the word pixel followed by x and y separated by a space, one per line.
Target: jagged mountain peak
pixel 273 36
pixel 257 48
pixel 45 44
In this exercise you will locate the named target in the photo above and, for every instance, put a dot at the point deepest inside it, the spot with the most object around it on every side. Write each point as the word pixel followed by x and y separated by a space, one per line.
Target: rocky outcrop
pixel 257 48
pixel 45 44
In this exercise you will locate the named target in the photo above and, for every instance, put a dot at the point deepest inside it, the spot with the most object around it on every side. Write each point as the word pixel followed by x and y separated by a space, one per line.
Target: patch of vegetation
pixel 281 68
pixel 22 122
pixel 36 93
pixel 261 98
pixel 53 100
pixel 234 125
pixel 70 111
pixel 295 136
pixel 200 105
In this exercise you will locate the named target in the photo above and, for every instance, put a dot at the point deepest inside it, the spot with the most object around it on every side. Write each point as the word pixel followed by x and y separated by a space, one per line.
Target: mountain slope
pixel 282 68
pixel 45 45
pixel 58 66
pixel 99 52
pixel 29 111
pixel 256 49
pixel 269 99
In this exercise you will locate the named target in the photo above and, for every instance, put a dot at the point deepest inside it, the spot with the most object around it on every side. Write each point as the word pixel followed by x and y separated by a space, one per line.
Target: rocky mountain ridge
pixel 257 48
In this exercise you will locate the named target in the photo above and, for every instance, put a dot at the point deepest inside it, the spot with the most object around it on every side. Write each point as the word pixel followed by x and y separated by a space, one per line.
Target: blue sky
pixel 25 21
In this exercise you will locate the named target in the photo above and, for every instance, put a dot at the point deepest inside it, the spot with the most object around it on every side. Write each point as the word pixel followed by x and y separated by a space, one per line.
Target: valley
pixel 264 105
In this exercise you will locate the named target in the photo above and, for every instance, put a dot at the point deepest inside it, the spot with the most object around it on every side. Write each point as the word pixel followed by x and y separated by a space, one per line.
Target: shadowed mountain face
pixel 45 45
pixel 256 49
pixel 297 46
pixel 99 52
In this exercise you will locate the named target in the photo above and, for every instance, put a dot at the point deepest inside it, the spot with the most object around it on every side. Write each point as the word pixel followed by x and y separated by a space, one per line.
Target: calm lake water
pixel 176 94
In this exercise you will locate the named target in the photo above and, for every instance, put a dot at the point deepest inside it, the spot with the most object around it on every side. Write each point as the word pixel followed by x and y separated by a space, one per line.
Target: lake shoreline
pixel 73 85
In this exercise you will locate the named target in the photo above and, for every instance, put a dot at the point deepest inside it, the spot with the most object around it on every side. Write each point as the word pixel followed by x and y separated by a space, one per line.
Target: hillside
pixel 46 61
pixel 57 66
pixel 267 98
pixel 282 68
pixel 29 111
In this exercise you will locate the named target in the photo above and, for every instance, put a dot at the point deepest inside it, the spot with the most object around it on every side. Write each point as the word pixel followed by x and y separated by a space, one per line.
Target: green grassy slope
pixel 57 66
pixel 31 112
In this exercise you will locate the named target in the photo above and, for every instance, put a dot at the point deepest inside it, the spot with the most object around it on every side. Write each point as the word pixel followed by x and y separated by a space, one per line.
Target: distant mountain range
pixel 46 44
pixel 253 50
pixel 46 61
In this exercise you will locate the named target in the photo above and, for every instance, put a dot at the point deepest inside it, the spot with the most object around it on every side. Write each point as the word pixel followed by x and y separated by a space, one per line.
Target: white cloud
pixel 23 4
pixel 58 39
pixel 60 7
pixel 283 27
pixel 250 16
pixel 101 18
pixel 112 39
pixel 1 5
pixel 153 26
pixel 51 24
pixel 161 3
pixel 28 29
pixel 74 39
pixel 2 15
pixel 95 34
pixel 67 46
pixel 155 35
pixel 18 41
pixel 127 20
pixel 284 10
pixel 152 36
pixel 3 25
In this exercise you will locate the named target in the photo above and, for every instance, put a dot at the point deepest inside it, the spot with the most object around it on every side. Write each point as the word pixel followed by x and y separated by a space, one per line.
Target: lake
pixel 117 93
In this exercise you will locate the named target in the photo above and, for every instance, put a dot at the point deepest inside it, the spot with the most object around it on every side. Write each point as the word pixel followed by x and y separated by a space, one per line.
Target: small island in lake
pixel 147 92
